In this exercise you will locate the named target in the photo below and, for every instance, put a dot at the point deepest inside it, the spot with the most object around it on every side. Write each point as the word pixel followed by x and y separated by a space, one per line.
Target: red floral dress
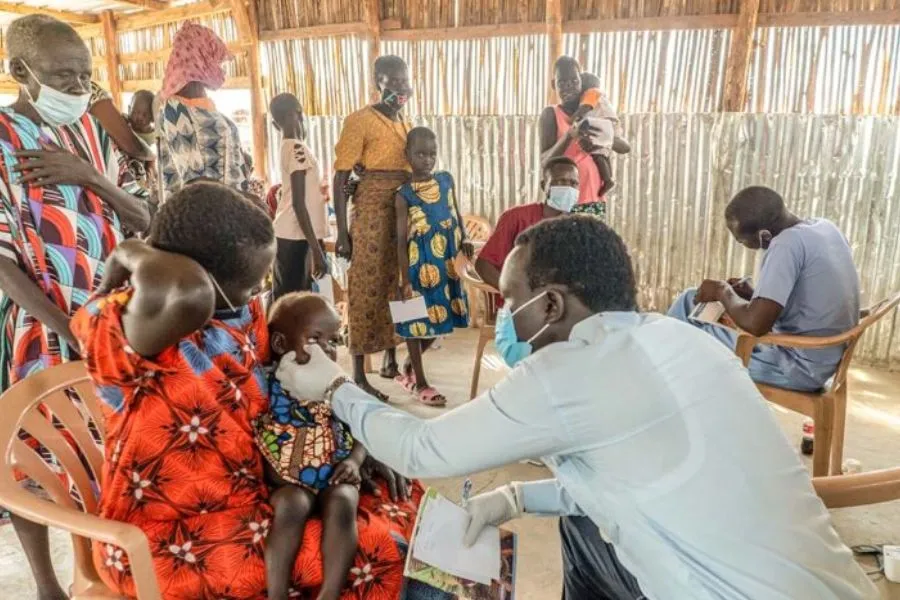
pixel 182 464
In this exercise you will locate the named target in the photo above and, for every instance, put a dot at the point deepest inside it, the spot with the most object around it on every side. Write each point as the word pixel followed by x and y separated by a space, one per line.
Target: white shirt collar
pixel 592 329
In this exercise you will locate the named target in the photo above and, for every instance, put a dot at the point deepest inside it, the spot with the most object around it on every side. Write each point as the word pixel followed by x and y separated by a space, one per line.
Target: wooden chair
pixel 488 298
pixel 859 489
pixel 478 231
pixel 827 408
pixel 21 407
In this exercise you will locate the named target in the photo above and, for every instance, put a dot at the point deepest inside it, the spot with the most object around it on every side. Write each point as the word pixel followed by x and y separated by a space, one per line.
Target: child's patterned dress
pixel 302 441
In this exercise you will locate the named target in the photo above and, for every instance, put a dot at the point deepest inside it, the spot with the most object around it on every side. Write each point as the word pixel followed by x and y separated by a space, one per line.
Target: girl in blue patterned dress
pixel 430 236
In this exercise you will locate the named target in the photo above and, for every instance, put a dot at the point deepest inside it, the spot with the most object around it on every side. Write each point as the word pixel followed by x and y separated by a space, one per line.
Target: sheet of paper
pixel 439 543
pixel 325 287
pixel 409 310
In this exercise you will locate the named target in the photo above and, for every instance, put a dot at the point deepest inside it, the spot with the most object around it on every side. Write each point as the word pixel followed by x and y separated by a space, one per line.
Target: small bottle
pixel 809 431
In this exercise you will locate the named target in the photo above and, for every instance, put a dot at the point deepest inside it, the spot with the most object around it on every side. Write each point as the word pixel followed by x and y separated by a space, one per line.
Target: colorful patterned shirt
pixel 58 235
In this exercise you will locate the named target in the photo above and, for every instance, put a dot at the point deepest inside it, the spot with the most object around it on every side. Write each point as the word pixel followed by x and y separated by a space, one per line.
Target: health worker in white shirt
pixel 671 475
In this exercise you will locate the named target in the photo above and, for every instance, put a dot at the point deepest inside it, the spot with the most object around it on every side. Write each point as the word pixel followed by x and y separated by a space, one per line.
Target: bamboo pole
pixel 148 4
pixel 197 10
pixel 113 80
pixel 391 28
pixel 63 15
pixel 372 12
pixel 134 85
pixel 247 22
pixel 555 41
pixel 316 31
pixel 737 69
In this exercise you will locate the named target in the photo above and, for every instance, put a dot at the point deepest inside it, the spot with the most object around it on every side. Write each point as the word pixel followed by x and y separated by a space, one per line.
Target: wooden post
pixel 737 69
pixel 111 39
pixel 372 10
pixel 245 17
pixel 554 41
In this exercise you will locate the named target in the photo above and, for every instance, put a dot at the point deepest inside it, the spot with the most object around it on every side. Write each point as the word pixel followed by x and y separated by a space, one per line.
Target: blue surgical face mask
pixel 57 108
pixel 562 198
pixel 506 340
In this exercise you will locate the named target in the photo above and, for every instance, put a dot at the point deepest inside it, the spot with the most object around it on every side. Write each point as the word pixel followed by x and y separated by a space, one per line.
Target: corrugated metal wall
pixel 829 70
pixel 482 97
pixel 683 170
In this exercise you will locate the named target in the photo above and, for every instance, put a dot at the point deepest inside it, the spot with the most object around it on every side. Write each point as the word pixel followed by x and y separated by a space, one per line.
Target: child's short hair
pixel 293 301
pixel 589 81
pixel 419 134
pixel 282 105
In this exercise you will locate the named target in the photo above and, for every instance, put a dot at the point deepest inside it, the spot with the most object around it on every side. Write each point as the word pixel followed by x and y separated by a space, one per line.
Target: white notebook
pixel 439 543
pixel 708 312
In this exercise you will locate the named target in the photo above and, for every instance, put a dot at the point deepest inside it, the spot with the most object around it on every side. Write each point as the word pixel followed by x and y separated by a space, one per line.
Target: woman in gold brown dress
pixel 375 139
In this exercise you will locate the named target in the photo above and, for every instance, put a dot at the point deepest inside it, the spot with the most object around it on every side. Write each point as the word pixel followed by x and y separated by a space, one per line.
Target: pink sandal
pixel 407 382
pixel 431 397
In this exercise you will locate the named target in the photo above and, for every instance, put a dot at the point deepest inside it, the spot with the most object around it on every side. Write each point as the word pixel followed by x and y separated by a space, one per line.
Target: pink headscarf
pixel 197 55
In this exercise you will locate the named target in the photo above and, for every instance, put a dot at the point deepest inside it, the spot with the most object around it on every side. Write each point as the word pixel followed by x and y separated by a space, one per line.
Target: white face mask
pixel 57 108
pixel 562 197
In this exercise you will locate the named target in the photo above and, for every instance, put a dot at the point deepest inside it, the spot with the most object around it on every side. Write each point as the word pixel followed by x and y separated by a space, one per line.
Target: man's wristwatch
pixel 334 386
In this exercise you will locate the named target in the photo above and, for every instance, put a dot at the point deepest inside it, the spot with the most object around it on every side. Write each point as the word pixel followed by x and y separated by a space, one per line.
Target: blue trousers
pixel 765 362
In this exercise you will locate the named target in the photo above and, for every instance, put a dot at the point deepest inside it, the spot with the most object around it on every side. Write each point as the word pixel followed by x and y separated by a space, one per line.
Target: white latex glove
pixel 308 381
pixel 491 508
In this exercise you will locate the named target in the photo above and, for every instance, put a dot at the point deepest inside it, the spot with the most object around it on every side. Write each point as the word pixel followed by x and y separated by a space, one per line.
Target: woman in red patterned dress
pixel 177 359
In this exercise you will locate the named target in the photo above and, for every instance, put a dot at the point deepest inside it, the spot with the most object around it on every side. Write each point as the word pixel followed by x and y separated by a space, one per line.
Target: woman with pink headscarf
pixel 197 141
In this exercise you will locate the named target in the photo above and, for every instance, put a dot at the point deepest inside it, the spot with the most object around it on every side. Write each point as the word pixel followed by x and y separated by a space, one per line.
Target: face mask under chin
pixel 54 107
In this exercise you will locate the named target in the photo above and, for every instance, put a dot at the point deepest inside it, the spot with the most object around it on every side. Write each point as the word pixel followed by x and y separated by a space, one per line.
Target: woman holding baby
pixel 177 344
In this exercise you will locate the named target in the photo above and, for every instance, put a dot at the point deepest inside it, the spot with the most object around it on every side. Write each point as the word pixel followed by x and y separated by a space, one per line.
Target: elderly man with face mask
pixel 66 196
pixel 808 285
pixel 670 472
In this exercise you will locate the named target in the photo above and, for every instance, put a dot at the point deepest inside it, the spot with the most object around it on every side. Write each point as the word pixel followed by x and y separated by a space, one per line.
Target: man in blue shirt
pixel 671 475
pixel 808 285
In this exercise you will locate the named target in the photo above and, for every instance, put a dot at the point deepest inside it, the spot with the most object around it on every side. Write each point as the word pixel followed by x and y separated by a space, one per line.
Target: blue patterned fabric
pixel 434 240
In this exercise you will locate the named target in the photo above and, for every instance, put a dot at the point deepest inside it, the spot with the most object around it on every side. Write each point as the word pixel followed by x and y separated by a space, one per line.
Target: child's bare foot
pixel 369 389
pixel 608 187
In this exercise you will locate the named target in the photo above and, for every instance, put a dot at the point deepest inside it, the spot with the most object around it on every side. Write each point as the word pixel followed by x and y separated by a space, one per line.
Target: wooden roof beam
pixel 198 10
pixel 555 44
pixel 391 29
pixel 148 4
pixel 63 15
pixel 113 80
pixel 372 12
pixel 247 21
pixel 737 68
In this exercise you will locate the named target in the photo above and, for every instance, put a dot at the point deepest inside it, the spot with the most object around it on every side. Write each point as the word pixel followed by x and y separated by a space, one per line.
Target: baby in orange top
pixel 598 117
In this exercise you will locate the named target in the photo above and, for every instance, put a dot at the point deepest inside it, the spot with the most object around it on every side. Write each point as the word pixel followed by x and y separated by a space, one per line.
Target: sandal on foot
pixel 407 382
pixel 430 397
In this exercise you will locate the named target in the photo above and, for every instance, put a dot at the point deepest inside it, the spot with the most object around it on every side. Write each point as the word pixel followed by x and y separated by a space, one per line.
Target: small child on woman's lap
pixel 430 236
pixel 313 462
